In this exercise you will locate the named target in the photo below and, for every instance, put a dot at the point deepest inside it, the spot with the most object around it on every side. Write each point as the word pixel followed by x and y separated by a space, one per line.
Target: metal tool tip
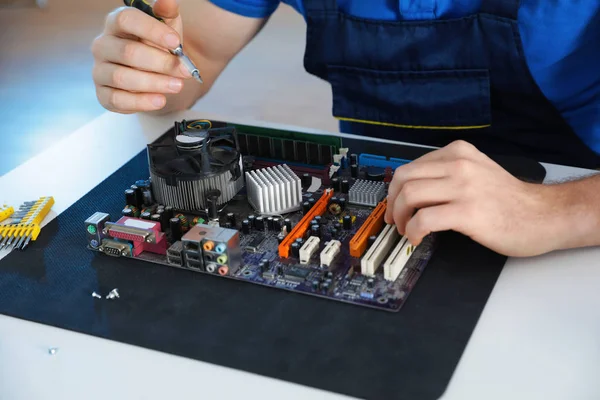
pixel 197 76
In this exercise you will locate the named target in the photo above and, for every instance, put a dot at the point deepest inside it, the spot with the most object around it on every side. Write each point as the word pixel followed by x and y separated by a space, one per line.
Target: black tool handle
pixel 142 5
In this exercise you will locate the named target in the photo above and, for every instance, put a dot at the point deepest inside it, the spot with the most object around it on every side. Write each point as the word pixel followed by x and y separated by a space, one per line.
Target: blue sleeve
pixel 248 8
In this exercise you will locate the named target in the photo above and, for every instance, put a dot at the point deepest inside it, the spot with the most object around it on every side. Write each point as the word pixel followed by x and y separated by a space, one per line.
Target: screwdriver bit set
pixel 24 224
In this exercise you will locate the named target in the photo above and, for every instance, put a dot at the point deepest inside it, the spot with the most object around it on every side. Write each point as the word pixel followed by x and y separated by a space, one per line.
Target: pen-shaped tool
pixel 146 7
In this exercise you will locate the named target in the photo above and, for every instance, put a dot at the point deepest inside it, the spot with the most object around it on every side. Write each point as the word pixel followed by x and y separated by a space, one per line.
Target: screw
pixel 114 294
pixel 52 351
pixel 96 295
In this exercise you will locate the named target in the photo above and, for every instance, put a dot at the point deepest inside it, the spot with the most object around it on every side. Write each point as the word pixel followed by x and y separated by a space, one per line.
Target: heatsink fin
pixel 275 190
pixel 366 193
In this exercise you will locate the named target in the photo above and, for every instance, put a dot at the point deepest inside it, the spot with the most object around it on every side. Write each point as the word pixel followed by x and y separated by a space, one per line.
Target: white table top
pixel 538 337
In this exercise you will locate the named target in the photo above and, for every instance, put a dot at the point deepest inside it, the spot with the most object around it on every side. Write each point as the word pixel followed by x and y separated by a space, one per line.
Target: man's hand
pixel 133 68
pixel 459 188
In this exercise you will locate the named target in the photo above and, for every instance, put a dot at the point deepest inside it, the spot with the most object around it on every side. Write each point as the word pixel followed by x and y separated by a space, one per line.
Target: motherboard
pixel 281 209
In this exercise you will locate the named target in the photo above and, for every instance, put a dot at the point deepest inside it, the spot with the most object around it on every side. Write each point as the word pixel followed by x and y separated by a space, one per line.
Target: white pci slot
pixel 386 239
pixel 397 260
pixel 330 252
pixel 308 249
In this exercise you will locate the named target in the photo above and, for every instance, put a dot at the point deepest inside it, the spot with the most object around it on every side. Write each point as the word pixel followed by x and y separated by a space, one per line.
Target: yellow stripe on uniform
pixel 364 121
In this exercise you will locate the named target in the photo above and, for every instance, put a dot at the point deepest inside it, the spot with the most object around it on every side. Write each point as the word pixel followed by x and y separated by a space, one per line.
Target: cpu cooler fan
pixel 193 161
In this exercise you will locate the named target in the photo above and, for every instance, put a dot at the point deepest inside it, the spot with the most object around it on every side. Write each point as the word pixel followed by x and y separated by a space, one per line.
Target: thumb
pixel 167 9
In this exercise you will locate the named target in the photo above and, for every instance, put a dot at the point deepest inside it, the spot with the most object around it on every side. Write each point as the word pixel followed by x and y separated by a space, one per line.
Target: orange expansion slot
pixel 300 229
pixel 371 227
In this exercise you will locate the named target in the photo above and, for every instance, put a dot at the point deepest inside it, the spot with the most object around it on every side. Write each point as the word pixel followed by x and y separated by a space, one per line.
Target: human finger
pixel 420 194
pixel 439 218
pixel 410 172
pixel 129 79
pixel 128 21
pixel 138 55
pixel 124 102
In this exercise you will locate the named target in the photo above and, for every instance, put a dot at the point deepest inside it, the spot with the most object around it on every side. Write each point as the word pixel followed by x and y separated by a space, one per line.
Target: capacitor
pixel 266 262
pixel 164 218
pixel 277 224
pixel 345 186
pixel 335 184
pixel 252 220
pixel 246 226
pixel 315 284
pixel 353 159
pixel 314 222
pixel 315 230
pixel 342 203
pixel 146 215
pixel 306 207
pixel 299 241
pixel 370 282
pixel 147 197
pixel 127 212
pixel 354 170
pixel 338 226
pixel 175 226
pixel 130 198
pixel 259 224
pixel 318 219
pixel 288 224
pixel 139 198
pixel 228 225
pixel 295 249
pixel 280 238
pixel 169 211
pixel 375 173
pixel 371 240
pixel 326 285
pixel 347 222
pixel 231 219
pixel 306 180
pixel 155 218
pixel 212 198
pixel 334 233
pixel 263 265
pixel 270 224
pixel 312 202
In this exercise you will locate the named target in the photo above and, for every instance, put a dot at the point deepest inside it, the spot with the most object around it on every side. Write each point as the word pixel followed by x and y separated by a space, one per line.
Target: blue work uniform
pixel 426 71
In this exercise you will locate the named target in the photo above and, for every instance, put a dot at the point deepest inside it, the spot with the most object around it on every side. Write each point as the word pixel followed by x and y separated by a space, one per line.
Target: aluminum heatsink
pixel 191 194
pixel 366 193
pixel 274 190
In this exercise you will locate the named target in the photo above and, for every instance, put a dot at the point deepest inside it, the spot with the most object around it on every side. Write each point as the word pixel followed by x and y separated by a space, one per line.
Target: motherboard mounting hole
pixel 382 300
pixel 247 273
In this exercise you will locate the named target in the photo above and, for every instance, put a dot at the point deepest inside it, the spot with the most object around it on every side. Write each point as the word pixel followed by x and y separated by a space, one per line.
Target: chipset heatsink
pixel 366 193
pixel 274 190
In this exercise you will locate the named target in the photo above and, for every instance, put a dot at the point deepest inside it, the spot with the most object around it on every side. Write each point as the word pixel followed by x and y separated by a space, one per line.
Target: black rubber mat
pixel 324 344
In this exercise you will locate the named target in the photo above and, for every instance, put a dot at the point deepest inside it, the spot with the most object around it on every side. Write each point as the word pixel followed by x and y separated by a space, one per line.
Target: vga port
pixel 115 249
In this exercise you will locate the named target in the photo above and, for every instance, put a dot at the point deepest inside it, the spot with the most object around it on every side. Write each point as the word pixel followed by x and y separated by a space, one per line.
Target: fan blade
pixel 184 164
pixel 162 154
